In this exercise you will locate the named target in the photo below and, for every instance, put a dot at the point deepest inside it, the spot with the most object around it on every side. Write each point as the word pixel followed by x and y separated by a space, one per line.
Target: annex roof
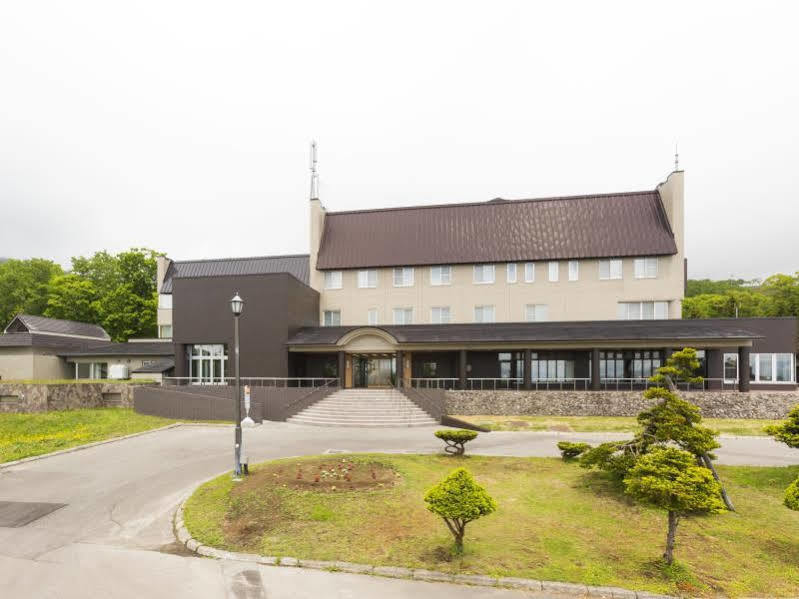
pixel 541 332
pixel 153 348
pixel 589 226
pixel 159 366
pixel 296 265
pixel 26 323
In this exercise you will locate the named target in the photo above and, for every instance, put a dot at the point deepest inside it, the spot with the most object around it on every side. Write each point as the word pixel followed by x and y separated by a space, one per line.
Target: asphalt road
pixel 114 537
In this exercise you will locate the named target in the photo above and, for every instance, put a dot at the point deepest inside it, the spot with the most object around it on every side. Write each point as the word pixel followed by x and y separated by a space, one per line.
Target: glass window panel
pixel 730 367
pixel 165 301
pixel 367 279
pixel 218 376
pixel 554 270
pixel 529 272
pixel 647 310
pixel 84 371
pixel 511 272
pixel 371 316
pixel 784 364
pixel 661 310
pixel 574 270
pixel 541 312
pixel 615 269
pixel 764 367
pixel 333 279
pixel 332 318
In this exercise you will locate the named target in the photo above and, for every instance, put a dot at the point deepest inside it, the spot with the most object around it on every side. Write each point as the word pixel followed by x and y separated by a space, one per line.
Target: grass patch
pixel 25 435
pixel 555 522
pixel 606 424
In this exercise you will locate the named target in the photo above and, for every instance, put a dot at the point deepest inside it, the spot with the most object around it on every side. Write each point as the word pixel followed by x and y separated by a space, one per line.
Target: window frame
pixel 610 262
pixel 441 278
pixel 164 298
pixel 511 267
pixel 332 274
pixel 529 269
pixel 645 263
pixel 543 308
pixel 331 312
pixel 405 310
pixel 556 277
pixel 482 308
pixel 440 313
pixel 161 328
pixel 574 270
pixel 755 363
pixel 404 270
pixel 369 320
pixel 366 272
pixel 482 267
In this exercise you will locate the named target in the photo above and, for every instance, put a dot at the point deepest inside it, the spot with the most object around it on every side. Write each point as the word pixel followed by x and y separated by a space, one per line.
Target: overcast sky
pixel 184 127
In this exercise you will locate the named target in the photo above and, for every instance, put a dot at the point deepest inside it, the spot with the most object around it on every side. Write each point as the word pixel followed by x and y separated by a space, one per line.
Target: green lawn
pixel 24 435
pixel 555 521
pixel 605 424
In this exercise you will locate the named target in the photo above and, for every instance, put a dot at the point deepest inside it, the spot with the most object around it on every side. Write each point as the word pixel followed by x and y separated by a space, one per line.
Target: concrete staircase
pixel 366 408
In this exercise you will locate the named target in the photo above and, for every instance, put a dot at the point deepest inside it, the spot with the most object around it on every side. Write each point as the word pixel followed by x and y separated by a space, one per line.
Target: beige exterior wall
pixel 16 363
pixel 132 363
pixel 50 367
pixel 588 298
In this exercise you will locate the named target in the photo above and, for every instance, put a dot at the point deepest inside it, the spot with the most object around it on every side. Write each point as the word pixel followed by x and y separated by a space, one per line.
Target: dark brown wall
pixel 276 305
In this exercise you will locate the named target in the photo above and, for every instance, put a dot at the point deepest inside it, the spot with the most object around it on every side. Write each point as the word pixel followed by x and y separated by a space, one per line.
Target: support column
pixel 595 382
pixel 743 368
pixel 528 365
pixel 342 369
pixel 462 369
pixel 399 359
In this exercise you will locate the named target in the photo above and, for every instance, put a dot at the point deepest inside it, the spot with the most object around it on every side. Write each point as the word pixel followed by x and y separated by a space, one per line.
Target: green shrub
pixel 455 440
pixel 459 499
pixel 792 495
pixel 570 450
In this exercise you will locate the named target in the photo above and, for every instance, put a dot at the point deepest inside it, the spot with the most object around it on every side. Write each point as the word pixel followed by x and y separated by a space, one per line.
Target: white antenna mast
pixel 314 174
pixel 676 158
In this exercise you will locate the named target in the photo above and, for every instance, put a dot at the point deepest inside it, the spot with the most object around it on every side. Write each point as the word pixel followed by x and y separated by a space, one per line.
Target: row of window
pixel 487 313
pixel 763 368
pixel 482 274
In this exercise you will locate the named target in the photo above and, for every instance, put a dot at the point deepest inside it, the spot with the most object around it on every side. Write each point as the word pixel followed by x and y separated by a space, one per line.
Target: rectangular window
pixel 784 368
pixel 483 273
pixel 554 269
pixel 371 316
pixel 440 315
pixel 610 269
pixel 207 364
pixel 403 276
pixel 646 268
pixel 91 370
pixel 484 313
pixel 367 279
pixel 529 272
pixel 730 367
pixel 333 279
pixel 643 310
pixel 764 368
pixel 536 312
pixel 510 269
pixel 165 331
pixel 165 301
pixel 440 275
pixel 574 270
pixel 403 315
pixel 332 318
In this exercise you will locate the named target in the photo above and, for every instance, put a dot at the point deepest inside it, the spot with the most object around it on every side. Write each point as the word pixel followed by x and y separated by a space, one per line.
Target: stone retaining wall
pixel 27 398
pixel 714 404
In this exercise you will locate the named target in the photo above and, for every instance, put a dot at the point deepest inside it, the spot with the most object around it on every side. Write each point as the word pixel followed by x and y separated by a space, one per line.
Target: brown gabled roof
pixel 592 226
pixel 26 323
pixel 295 265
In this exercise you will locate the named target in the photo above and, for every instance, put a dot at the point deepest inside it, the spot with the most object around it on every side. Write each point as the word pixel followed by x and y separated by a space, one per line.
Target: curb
pixel 578 590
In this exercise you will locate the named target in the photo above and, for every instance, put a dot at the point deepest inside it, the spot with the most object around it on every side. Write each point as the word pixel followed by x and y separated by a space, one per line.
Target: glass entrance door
pixel 374 371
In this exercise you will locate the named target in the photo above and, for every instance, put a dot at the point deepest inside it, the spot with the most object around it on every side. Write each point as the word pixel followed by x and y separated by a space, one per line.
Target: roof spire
pixel 676 158
pixel 314 174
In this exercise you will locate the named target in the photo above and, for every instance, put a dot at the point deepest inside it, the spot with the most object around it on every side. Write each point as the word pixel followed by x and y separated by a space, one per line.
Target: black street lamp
pixel 237 306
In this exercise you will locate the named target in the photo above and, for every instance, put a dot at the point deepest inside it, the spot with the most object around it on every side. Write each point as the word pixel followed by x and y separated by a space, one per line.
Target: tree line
pixel 116 291
pixel 778 295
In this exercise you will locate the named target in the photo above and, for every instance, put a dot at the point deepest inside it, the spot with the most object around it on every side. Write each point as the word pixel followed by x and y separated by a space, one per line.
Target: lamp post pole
pixel 237 305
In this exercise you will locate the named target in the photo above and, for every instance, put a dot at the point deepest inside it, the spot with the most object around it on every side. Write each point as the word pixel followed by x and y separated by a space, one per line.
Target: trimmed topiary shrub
pixel 459 499
pixel 570 450
pixel 792 495
pixel 455 440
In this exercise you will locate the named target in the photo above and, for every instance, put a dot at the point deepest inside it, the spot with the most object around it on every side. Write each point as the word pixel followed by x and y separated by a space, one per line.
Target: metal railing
pixel 434 383
pixel 562 384
pixel 264 381
pixel 494 384
pixel 643 383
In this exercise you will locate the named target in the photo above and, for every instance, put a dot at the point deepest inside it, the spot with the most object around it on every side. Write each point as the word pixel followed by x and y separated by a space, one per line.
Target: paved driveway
pixel 114 535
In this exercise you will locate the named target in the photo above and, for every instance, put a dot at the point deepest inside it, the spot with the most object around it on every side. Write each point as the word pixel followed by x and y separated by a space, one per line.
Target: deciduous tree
pixel 788 433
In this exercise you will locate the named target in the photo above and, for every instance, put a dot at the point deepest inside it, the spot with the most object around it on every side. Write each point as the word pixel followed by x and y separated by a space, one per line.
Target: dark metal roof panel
pixel 295 265
pixel 594 226
pixel 56 342
pixel 154 348
pixel 158 366
pixel 55 326
pixel 512 332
